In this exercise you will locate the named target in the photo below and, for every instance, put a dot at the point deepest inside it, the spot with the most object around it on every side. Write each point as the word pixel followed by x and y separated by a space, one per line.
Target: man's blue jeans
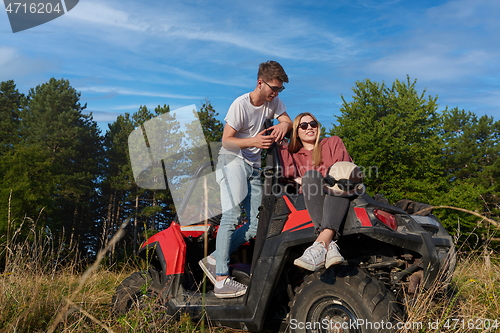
pixel 239 184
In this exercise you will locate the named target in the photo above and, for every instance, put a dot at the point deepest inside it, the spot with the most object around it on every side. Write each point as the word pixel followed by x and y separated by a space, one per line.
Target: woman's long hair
pixel 296 144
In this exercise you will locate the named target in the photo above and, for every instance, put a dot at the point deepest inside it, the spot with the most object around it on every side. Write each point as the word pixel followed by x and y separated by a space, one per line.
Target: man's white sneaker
pixel 313 258
pixel 333 256
pixel 229 288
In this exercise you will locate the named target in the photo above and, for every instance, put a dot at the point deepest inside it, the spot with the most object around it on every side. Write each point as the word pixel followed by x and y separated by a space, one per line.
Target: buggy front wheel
pixel 139 290
pixel 343 299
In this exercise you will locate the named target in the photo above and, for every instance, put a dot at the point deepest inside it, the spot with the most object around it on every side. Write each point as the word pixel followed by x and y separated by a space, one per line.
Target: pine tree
pixel 53 122
pixel 149 210
pixel 118 180
pixel 212 127
pixel 472 165
pixel 11 102
pixel 392 133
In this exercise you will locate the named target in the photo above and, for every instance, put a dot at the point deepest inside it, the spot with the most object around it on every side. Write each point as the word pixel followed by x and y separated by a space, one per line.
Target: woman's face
pixel 309 134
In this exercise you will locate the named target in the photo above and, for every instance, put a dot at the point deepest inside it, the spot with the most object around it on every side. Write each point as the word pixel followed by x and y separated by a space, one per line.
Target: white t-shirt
pixel 248 121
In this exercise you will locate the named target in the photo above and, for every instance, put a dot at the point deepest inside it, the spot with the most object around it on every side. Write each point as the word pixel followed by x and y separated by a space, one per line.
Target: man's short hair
pixel 272 70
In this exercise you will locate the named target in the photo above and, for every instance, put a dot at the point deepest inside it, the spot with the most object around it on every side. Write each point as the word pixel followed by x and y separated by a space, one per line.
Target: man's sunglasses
pixel 274 88
pixel 305 125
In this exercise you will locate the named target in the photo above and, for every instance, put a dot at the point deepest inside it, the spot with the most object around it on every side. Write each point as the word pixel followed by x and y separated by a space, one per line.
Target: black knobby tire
pixel 139 290
pixel 448 256
pixel 343 299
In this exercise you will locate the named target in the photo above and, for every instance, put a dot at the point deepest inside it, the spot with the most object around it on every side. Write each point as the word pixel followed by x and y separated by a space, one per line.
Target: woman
pixel 307 160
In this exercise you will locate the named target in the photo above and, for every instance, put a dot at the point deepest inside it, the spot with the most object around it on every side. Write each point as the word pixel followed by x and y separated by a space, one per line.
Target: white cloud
pixel 102 14
pixel 151 51
pixel 103 116
pixel 160 70
pixel 431 64
pixel 124 107
pixel 128 92
pixel 466 12
pixel 452 41
pixel 176 25
pixel 14 64
pixel 7 54
pixel 487 100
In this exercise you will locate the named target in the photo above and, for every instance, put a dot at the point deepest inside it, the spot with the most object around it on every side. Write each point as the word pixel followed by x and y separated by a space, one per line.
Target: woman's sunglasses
pixel 305 125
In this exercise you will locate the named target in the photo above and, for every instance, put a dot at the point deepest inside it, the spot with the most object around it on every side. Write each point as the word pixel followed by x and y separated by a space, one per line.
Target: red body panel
pixel 297 218
pixel 363 216
pixel 173 248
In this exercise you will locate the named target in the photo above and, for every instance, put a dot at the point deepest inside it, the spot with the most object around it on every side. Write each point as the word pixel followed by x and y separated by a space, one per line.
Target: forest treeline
pixel 60 175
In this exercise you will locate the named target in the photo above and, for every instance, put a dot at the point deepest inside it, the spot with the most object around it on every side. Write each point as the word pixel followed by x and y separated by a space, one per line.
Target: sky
pixel 123 54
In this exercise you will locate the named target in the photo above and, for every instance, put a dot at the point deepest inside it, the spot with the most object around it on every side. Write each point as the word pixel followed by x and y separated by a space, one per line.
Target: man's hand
pixel 279 131
pixel 261 140
pixel 264 141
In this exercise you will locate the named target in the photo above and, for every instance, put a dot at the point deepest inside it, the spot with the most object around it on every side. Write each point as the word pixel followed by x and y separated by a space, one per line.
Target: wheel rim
pixel 331 315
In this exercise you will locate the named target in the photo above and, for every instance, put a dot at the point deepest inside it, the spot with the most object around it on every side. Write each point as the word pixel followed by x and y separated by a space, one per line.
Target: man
pixel 238 170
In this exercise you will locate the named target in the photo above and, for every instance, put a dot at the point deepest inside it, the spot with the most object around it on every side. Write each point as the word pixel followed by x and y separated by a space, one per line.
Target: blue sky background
pixel 127 53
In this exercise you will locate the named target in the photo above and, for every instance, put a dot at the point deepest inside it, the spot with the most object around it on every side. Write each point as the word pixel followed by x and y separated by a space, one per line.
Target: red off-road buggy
pixel 389 255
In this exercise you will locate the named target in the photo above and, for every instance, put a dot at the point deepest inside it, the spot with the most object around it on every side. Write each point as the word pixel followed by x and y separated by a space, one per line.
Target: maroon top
pixel 297 164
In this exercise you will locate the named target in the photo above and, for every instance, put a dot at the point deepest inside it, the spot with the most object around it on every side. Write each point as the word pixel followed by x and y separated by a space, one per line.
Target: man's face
pixel 270 89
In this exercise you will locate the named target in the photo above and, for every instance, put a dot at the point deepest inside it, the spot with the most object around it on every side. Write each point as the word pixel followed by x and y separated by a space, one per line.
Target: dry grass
pixel 41 291
pixel 470 303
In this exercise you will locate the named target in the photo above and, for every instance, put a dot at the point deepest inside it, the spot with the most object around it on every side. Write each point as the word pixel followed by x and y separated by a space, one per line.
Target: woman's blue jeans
pixel 240 184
